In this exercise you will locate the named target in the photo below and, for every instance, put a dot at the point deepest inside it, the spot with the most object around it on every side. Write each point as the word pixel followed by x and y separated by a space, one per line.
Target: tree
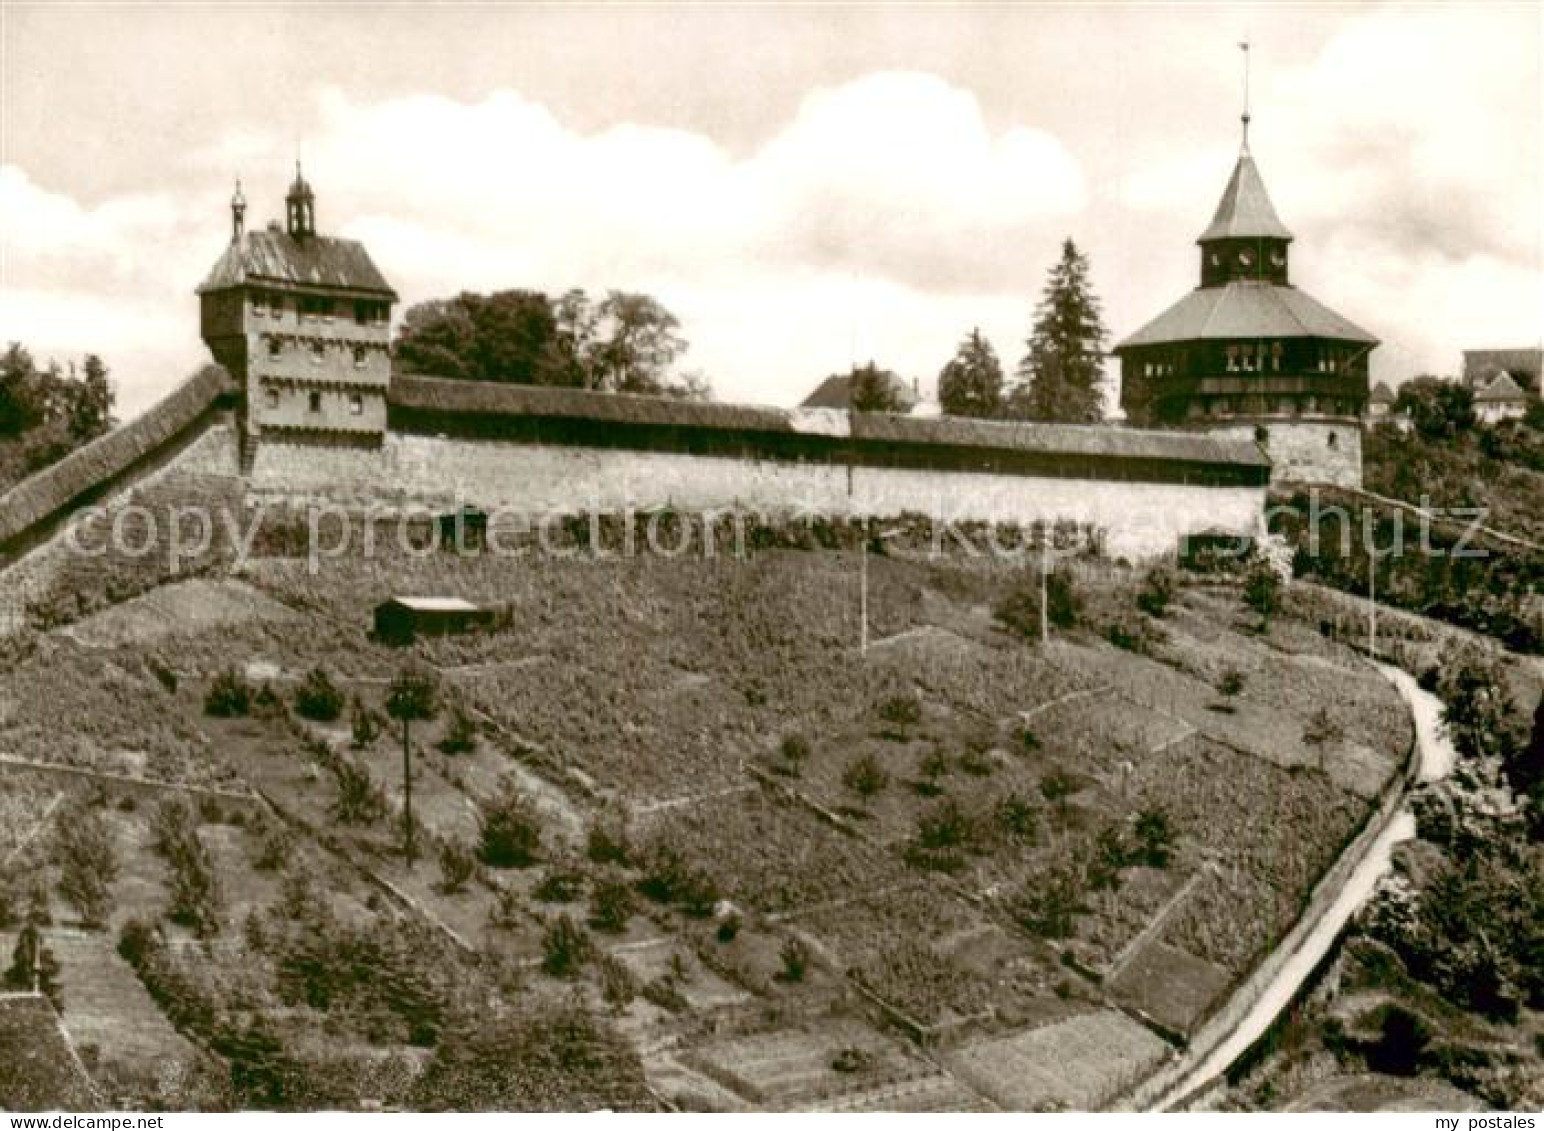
pixel 1154 837
pixel 1063 364
pixel 1438 409
pixel 20 407
pixel 33 966
pixel 872 389
pixel 87 864
pixel 91 410
pixel 511 831
pixel 566 946
pixel 865 776
pixel 1262 590
pixel 508 336
pixel 318 698
pixel 636 342
pixel 972 383
pixel 412 697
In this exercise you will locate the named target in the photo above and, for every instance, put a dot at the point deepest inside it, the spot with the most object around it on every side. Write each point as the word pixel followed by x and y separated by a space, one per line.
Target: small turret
pixel 300 207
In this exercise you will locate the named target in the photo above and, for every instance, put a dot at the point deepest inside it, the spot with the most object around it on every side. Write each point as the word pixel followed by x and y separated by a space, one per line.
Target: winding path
pixel 1212 1053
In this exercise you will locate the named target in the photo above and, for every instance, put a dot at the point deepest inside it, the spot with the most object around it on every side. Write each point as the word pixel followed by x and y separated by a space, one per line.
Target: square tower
pixel 303 322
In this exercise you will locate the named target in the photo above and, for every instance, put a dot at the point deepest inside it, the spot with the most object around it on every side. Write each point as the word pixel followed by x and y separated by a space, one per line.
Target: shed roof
pixel 1247 308
pixel 1245 210
pixel 1482 365
pixel 836 392
pixel 1381 394
pixel 272 256
pixel 434 604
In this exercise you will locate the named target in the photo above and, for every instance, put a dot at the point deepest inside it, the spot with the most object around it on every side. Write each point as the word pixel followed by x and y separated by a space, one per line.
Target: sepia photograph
pixel 771 557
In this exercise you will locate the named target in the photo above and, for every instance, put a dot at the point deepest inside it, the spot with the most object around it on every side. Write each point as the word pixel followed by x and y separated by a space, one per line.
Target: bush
pixel 944 826
pixel 229 696
pixel 1157 591
pixel 611 906
pixel 565 947
pixel 901 712
pixel 1262 589
pixel 559 885
pixel 458 864
pixel 1231 683
pixel 511 831
pixel 729 928
pixel 460 735
pixel 365 724
pixel 933 768
pixel 1402 1038
pixel 196 898
pixel 1047 906
pixel 1014 818
pixel 865 776
pixel 606 842
pixel 317 698
pixel 88 864
pixel 275 846
pixel 795 954
pixel 618 987
pixel 795 750
pixel 360 800
pixel 1057 786
pixel 669 878
pixel 1155 837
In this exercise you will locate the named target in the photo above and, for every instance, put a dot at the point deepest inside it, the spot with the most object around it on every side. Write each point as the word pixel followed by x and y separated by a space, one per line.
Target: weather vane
pixel 1243 45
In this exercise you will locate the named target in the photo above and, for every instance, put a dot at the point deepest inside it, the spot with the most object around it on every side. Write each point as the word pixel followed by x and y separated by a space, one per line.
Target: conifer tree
pixel 1063 364
pixel 972 383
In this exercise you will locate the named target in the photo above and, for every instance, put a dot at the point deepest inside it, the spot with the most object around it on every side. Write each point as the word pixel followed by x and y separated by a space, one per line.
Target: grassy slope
pixel 1459 473
pixel 661 690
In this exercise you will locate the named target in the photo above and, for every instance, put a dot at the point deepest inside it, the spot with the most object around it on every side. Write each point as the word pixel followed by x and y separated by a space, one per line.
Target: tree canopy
pixel 872 389
pixel 624 343
pixel 972 383
pixel 1063 364
pixel 1438 409
pixel 48 411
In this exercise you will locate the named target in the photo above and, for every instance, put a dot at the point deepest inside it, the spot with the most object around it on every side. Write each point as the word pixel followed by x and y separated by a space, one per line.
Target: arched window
pixel 1334 441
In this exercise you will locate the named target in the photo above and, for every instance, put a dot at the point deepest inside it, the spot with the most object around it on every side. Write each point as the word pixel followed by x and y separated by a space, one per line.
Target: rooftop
pixel 435 394
pixel 1502 390
pixel 1245 209
pixel 273 256
pixel 434 604
pixel 1247 309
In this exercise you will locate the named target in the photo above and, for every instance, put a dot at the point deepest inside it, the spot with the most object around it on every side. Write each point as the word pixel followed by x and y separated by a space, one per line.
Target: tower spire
pixel 1243 45
pixel 238 213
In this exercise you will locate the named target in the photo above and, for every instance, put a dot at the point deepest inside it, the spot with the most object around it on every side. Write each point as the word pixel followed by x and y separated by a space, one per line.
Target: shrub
pixel 606 842
pixel 88 864
pixel 1019 611
pixel 795 954
pixel 1231 683
pixel 795 750
pixel 1154 837
pixel 1057 786
pixel 1047 906
pixel 901 712
pixel 317 698
pixel 729 928
pixel 275 846
pixel 559 885
pixel 565 947
pixel 933 767
pixel 1157 591
pixel 33 964
pixel 1402 1038
pixel 460 735
pixel 944 826
pixel 360 800
pixel 865 776
pixel 1262 589
pixel 196 898
pixel 853 1060
pixel 229 696
pixel 611 906
pixel 1014 818
pixel 669 878
pixel 618 987
pixel 458 864
pixel 977 759
pixel 365 724
pixel 511 831
pixel 266 702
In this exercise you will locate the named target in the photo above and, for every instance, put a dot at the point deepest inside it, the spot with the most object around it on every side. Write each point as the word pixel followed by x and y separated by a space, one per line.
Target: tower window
pixel 271 398
pixel 1334 440
pixel 318 352
pixel 259 303
pixel 356 405
pixel 1232 359
pixel 275 347
pixel 316 401
pixel 361 355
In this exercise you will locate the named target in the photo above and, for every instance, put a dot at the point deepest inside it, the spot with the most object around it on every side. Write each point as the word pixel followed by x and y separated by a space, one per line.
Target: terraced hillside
pixel 682 842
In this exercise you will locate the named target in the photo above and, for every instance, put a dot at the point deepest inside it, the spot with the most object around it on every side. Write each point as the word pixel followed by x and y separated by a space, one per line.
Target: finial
pixel 1244 47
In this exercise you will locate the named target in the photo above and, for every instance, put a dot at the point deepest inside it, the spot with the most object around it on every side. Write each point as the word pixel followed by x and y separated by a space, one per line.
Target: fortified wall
pixel 532 452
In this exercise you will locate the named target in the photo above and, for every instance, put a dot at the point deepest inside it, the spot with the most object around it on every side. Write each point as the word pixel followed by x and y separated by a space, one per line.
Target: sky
pixel 804 186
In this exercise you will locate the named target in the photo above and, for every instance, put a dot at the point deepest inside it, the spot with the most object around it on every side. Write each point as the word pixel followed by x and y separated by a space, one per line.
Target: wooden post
pixel 863 594
pixel 1372 602
pixel 1045 588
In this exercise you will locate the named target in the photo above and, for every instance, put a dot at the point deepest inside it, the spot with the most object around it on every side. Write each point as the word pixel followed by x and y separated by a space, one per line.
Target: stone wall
pixel 1325 450
pixel 1138 519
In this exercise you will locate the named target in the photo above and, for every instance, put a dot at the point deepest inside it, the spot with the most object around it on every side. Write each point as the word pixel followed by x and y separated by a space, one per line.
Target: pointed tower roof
pixel 1245 210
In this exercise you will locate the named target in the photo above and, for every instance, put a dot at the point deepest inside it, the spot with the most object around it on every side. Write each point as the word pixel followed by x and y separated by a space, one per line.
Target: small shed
pixel 400 620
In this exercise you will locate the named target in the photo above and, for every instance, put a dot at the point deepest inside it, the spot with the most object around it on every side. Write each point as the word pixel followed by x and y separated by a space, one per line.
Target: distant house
pixel 1380 403
pixel 401 620
pixel 836 392
pixel 1502 399
pixel 1481 367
